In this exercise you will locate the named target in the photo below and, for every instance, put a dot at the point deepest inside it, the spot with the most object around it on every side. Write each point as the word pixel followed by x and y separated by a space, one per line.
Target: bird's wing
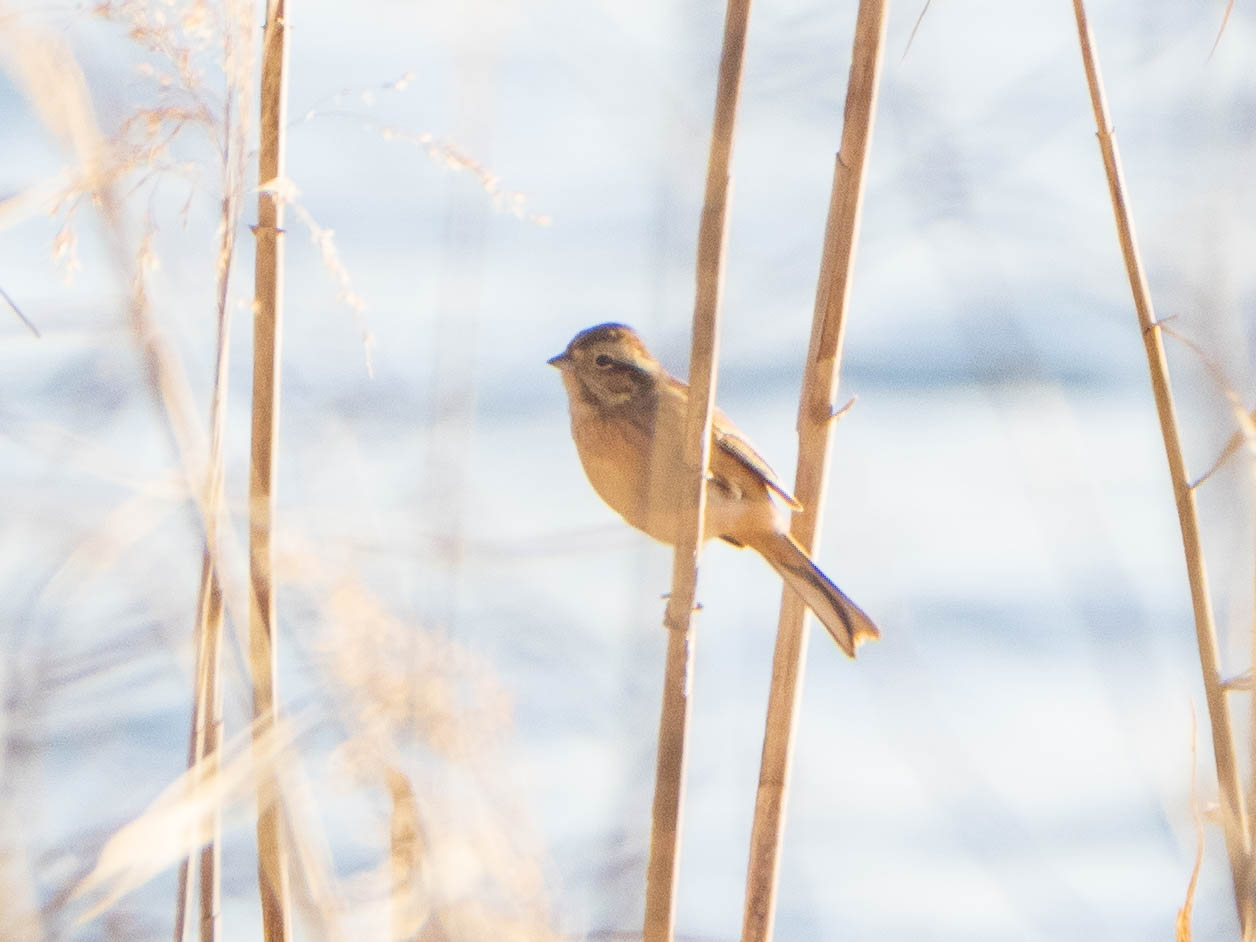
pixel 731 443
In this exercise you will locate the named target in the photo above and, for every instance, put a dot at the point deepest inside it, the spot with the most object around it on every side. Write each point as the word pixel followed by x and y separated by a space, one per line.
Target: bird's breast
pixel 641 475
pixel 616 456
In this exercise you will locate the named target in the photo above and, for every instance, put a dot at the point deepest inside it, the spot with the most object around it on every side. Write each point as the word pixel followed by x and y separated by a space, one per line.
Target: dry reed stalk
pixel 816 412
pixel 204 739
pixel 178 819
pixel 911 37
pixel 206 733
pixel 208 725
pixel 315 891
pixel 267 309
pixel 444 700
pixel 209 741
pixel 183 888
pixel 660 898
pixel 405 856
pixel 1225 19
pixel 58 89
pixel 4 295
pixel 1183 924
pixel 53 83
pixel 1233 810
pixel 1247 429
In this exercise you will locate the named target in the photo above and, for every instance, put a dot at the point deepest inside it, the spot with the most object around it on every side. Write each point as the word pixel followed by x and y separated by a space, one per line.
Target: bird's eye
pixel 603 360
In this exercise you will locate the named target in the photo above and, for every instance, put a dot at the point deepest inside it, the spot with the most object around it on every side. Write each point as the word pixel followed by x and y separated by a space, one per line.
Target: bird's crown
pixel 607 335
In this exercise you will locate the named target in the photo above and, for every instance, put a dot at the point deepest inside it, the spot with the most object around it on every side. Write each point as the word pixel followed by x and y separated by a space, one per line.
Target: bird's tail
pixel 845 620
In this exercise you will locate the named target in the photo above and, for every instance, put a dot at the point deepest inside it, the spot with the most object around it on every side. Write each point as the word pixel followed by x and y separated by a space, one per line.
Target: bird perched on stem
pixel 628 422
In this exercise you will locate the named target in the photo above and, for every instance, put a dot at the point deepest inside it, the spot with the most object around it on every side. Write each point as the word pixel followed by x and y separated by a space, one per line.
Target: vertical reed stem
pixel 660 900
pixel 204 739
pixel 183 892
pixel 1247 436
pixel 206 732
pixel 209 738
pixel 1234 813
pixel 267 334
pixel 815 414
pixel 404 851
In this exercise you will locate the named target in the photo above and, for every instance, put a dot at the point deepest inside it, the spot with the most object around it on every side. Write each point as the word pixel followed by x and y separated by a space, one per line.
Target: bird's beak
pixel 560 362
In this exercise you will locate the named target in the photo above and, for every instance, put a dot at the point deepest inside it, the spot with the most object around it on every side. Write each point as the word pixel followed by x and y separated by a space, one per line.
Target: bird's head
pixel 607 364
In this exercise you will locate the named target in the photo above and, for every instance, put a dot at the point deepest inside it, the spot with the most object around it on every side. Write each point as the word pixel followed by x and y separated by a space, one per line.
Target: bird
pixel 628 418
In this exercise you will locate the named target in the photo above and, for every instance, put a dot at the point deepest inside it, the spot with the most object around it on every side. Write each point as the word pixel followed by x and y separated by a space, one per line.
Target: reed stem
pixel 1233 809
pixel 267 335
pixel 660 901
pixel 206 734
pixel 815 422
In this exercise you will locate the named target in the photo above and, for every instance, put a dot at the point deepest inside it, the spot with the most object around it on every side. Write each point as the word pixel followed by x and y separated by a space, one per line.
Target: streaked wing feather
pixel 733 444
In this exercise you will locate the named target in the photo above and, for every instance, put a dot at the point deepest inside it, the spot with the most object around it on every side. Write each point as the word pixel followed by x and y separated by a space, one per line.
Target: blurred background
pixel 1013 760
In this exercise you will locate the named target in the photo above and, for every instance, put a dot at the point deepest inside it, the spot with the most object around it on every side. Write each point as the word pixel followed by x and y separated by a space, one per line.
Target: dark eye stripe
pixel 620 367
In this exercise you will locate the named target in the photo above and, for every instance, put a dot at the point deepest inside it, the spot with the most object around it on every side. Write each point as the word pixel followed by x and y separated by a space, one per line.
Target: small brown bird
pixel 628 422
